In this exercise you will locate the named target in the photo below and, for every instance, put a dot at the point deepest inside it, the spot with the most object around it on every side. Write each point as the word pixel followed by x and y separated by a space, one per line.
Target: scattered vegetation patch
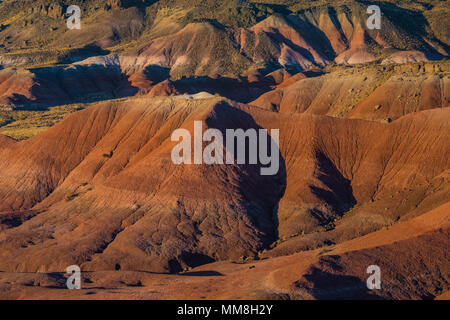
pixel 108 155
pixel 325 250
pixel 5 118
pixel 24 124
pixel 71 196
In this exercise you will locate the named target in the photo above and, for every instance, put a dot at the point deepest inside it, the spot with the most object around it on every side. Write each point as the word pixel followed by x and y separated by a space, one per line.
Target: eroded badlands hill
pixel 367 92
pixel 364 149
pixel 110 166
pixel 234 34
pixel 127 48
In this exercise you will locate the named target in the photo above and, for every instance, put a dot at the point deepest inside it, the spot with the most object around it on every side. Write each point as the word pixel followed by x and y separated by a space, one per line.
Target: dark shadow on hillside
pixel 412 23
pixel 91 83
pixel 324 281
pixel 11 220
pixel 80 54
pixel 238 89
pixel 339 192
pixel 156 73
pixel 141 4
pixel 207 273
pixel 261 193
pixel 277 37
pixel 334 19
pixel 76 84
pixel 314 36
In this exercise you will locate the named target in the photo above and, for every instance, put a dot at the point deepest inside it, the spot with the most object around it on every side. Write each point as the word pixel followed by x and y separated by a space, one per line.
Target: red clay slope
pixel 103 192
pixel 275 278
pixel 372 93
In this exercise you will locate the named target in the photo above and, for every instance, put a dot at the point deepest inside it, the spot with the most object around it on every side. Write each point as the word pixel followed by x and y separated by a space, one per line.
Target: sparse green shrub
pixel 71 196
pixel 108 155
